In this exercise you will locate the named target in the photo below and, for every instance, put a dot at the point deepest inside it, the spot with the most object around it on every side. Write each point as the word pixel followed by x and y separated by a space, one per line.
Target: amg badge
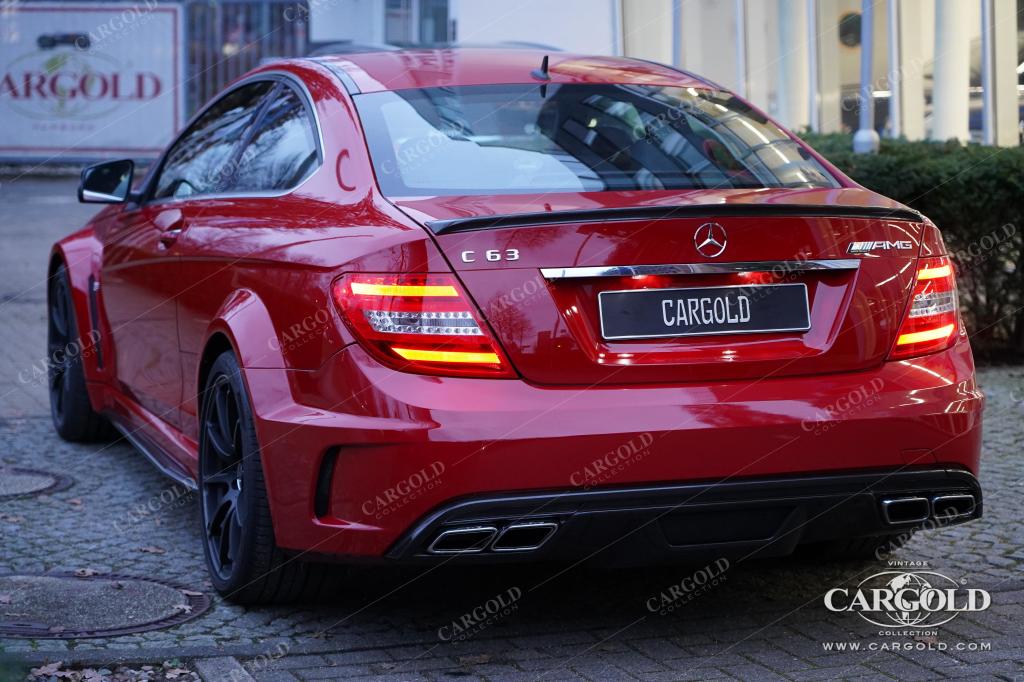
pixel 866 247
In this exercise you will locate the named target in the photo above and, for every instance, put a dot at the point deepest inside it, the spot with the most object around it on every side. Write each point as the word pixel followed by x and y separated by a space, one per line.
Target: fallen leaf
pixel 184 608
pixel 75 501
pixel 86 572
pixel 56 629
pixel 191 593
pixel 174 673
pixel 153 549
pixel 46 670
pixel 927 639
pixel 475 659
pixel 90 675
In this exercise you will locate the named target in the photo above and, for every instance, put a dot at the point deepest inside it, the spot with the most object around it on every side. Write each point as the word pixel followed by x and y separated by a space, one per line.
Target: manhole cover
pixel 60 606
pixel 20 482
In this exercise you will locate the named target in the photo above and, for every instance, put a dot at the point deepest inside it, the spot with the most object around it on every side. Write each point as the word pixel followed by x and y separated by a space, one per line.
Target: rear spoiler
pixel 597 215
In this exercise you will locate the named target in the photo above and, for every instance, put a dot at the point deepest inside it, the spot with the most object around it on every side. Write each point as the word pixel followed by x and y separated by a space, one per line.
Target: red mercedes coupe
pixel 480 305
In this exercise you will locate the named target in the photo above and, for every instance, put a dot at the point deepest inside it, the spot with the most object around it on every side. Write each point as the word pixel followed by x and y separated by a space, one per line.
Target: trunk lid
pixel 537 266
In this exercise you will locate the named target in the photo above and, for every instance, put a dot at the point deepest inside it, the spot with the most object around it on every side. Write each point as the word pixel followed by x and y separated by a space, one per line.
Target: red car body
pixel 758 439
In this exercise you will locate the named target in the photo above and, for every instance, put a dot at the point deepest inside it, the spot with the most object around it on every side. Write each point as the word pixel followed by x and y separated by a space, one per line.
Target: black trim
pixel 665 212
pixel 346 80
pixel 144 196
pixel 94 320
pixel 768 516
pixel 324 481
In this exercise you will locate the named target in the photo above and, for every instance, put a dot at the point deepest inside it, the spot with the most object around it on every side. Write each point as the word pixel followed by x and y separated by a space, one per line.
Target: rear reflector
pixel 931 323
pixel 420 323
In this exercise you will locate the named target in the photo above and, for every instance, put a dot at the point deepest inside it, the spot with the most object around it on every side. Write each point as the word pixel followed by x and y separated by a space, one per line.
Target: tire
pixel 244 562
pixel 856 549
pixel 72 413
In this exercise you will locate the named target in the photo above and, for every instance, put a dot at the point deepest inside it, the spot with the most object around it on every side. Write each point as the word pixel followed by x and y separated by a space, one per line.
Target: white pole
pixel 616 28
pixel 865 140
pixel 952 70
pixel 813 83
pixel 987 80
pixel 741 47
pixel 895 71
pixel 677 33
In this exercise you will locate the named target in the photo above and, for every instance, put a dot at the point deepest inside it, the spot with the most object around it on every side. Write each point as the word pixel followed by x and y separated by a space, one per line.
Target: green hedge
pixel 975 195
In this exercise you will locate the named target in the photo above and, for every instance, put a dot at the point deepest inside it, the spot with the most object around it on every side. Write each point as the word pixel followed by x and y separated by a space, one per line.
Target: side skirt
pixel 162 461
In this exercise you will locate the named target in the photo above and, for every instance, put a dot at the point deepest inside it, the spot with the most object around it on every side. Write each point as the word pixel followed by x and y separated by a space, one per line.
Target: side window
pixel 198 161
pixel 282 151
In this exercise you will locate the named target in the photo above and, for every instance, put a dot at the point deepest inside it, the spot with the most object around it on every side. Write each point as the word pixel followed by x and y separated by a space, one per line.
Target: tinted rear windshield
pixel 508 139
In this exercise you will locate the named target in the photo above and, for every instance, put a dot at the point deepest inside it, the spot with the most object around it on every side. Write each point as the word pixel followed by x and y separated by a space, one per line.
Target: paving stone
pixel 221 669
pixel 274 676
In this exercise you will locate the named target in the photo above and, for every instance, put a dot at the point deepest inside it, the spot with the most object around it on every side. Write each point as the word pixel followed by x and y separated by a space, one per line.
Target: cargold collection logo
pixel 70 83
pixel 908 598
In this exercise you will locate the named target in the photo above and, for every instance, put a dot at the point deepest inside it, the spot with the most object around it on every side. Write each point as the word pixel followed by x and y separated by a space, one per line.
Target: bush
pixel 975 195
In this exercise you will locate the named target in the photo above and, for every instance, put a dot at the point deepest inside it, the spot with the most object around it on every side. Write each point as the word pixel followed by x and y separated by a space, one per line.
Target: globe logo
pixel 915 584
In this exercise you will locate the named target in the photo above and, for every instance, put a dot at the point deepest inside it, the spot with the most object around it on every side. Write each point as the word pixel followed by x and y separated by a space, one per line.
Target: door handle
pixel 168 237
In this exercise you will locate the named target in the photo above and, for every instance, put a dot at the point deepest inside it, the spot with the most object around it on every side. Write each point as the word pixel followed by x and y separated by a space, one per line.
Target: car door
pixel 225 246
pixel 141 268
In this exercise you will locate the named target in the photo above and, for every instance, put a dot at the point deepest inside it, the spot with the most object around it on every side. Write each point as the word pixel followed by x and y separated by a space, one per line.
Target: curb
pixel 221 669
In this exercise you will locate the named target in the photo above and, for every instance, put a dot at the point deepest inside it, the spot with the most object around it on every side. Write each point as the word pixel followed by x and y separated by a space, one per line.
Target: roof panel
pixel 402 69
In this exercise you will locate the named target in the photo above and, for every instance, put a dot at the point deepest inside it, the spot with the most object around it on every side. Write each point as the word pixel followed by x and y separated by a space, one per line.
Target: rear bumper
pixel 357 456
pixel 762 516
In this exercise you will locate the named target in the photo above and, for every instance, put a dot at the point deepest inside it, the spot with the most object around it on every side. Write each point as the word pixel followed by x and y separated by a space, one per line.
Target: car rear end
pixel 666 328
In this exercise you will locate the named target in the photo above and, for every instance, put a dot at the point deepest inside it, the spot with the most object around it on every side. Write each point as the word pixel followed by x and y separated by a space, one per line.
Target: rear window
pixel 508 139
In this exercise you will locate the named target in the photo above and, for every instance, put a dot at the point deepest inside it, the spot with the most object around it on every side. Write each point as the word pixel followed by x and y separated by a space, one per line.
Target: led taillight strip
pixel 926 335
pixel 927 273
pixel 461 357
pixel 415 290
pixel 931 322
pixel 423 323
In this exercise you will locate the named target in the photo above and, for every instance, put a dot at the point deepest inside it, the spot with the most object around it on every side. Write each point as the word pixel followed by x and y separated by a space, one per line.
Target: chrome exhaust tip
pixel 953 506
pixel 468 540
pixel 524 537
pixel 903 510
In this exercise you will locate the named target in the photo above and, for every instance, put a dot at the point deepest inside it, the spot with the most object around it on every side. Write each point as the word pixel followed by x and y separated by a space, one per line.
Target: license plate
pixel 740 309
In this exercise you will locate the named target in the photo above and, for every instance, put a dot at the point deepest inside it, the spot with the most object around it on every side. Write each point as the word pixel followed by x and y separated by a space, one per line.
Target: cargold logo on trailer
pixel 69 83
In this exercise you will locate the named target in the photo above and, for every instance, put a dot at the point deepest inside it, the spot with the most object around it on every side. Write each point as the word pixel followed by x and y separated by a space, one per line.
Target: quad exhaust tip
pixel 953 506
pixel 468 540
pixel 903 510
pixel 525 536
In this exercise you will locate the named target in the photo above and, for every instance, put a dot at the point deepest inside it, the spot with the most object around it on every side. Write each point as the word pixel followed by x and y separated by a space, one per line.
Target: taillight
pixel 420 323
pixel 931 323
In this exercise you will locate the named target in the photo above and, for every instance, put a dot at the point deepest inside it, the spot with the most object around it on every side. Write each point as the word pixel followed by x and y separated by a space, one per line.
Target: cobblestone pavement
pixel 762 620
